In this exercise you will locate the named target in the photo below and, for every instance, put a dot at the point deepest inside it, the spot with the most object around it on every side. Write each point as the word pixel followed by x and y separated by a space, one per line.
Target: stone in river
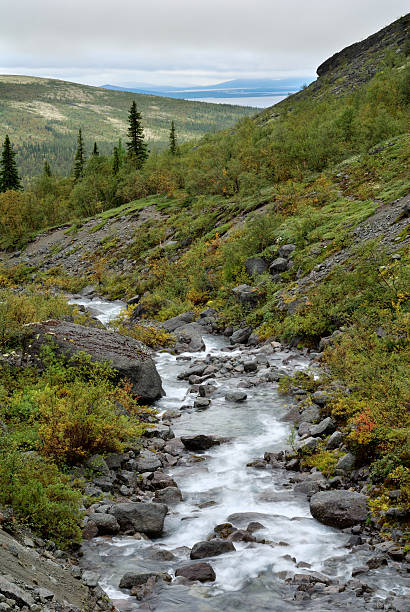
pixel 199 442
pixel 203 572
pixel 236 396
pixel 215 547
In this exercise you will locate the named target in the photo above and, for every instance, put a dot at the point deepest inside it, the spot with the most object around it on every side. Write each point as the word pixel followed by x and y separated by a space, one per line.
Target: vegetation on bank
pixel 54 419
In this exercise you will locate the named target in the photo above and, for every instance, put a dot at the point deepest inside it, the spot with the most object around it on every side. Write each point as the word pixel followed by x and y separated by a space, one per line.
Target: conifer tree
pixel 79 159
pixel 95 149
pixel 9 177
pixel 137 147
pixel 46 169
pixel 115 161
pixel 173 147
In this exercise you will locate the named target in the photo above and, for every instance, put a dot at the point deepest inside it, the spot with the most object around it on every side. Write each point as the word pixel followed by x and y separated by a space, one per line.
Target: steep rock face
pixel 393 34
pixel 129 357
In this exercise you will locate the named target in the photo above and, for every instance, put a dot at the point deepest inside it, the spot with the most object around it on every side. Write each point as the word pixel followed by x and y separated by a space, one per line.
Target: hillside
pixel 42 118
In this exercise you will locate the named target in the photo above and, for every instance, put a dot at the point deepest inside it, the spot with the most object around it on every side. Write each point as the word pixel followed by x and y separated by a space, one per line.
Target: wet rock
pixel 169 496
pixel 346 462
pixel 334 441
pixel 199 442
pixel 179 321
pixel 138 516
pixel 323 428
pixel 241 336
pixel 250 366
pixel 254 526
pixel 245 294
pixel 280 264
pixel 202 403
pixel 339 508
pixel 309 488
pixel 255 265
pixel 159 554
pixel 236 396
pixel 214 547
pixel 134 579
pixel 376 562
pixel 189 338
pixel 105 523
pixel 203 572
pixel 241 535
pixel 130 358
pixel 160 480
pixel 90 579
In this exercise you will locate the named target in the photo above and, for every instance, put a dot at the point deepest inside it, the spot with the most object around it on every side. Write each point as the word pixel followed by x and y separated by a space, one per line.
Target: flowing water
pixel 220 488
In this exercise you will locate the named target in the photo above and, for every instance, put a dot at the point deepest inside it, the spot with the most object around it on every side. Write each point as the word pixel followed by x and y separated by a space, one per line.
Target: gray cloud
pixel 185 40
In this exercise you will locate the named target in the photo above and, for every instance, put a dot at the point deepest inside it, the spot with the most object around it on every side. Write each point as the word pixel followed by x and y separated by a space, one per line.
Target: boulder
pixel 346 462
pixel 335 439
pixel 189 338
pixel 134 579
pixel 280 264
pixel 203 572
pixel 323 428
pixel 245 294
pixel 179 321
pixel 160 431
pixel 236 396
pixel 286 250
pixel 169 496
pixel 106 523
pixel 339 508
pixel 139 516
pixel 199 442
pixel 127 356
pixel 255 265
pixel 307 444
pixel 147 462
pixel 215 547
pixel 241 336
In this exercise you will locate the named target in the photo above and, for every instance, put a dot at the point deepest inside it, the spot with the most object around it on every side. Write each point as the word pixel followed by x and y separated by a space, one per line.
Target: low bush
pixel 40 495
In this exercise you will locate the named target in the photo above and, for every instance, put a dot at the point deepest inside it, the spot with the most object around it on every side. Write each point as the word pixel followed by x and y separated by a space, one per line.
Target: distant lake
pixel 258 101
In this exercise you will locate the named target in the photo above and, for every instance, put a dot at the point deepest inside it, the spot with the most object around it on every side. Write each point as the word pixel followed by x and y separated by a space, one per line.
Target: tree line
pixel 136 145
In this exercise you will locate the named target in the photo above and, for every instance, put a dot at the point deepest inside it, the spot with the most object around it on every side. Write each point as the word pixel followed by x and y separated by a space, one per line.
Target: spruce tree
pixel 115 161
pixel 95 149
pixel 9 177
pixel 46 169
pixel 173 147
pixel 79 159
pixel 137 147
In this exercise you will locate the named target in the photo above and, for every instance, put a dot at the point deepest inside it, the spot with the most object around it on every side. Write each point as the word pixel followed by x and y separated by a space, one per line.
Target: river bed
pixel 219 488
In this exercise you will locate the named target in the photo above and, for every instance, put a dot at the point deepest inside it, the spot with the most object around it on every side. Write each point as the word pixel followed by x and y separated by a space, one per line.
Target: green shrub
pixel 40 495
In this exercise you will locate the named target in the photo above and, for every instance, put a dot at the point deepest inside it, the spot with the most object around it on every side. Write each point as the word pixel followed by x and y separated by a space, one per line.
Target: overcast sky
pixel 181 42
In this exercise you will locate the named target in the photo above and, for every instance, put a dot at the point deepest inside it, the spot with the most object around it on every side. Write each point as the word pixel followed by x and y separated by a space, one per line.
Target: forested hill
pixel 42 118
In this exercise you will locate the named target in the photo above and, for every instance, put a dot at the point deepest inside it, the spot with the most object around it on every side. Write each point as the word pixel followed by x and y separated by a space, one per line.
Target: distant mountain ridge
pixel 226 89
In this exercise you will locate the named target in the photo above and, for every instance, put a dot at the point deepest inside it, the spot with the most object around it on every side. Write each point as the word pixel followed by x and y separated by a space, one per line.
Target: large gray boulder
pixel 211 548
pixel 139 516
pixel 280 264
pixel 130 358
pixel 241 336
pixel 339 508
pixel 255 265
pixel 105 523
pixel 286 250
pixel 189 338
pixel 172 324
